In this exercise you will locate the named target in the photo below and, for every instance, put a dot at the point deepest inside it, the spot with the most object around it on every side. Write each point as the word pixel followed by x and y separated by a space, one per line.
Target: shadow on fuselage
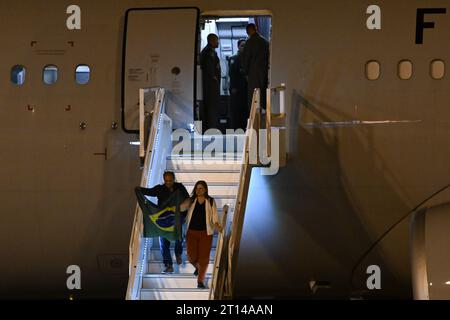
pixel 320 218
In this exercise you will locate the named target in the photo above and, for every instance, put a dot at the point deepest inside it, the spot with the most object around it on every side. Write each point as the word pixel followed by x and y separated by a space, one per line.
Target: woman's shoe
pixel 196 272
pixel 200 285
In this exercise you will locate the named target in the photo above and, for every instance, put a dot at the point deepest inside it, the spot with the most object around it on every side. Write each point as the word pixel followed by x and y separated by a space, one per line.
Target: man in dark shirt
pixel 238 89
pixel 163 192
pixel 211 76
pixel 256 63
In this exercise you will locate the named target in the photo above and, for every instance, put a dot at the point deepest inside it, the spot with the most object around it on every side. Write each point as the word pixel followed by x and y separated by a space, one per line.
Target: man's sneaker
pixel 200 285
pixel 179 259
pixel 196 272
pixel 168 269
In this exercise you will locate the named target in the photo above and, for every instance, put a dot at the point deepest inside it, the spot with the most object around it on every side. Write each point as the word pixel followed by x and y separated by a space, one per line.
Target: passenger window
pixel 405 69
pixel 50 74
pixel 437 69
pixel 82 74
pixel 372 70
pixel 18 75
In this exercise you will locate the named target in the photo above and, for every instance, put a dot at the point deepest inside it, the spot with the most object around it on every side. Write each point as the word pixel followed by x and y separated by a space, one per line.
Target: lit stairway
pixel 222 176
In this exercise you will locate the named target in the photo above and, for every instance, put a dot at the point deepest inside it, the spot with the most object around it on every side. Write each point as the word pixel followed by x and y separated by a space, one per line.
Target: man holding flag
pixel 164 219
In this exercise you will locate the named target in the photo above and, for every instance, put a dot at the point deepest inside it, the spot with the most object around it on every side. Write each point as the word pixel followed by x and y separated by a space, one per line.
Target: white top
pixel 212 217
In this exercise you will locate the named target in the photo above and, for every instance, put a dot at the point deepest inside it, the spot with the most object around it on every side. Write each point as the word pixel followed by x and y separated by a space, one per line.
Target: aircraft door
pixel 160 51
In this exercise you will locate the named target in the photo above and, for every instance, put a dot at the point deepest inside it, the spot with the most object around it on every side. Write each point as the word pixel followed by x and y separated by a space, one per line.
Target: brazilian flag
pixel 163 220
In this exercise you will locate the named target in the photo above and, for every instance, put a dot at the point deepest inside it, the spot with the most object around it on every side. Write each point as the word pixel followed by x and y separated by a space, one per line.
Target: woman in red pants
pixel 201 220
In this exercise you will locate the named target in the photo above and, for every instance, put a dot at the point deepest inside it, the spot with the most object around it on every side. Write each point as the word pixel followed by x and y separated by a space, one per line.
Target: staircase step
pixel 175 281
pixel 203 141
pixel 216 169
pixel 233 184
pixel 154 254
pixel 159 259
pixel 156 267
pixel 174 294
pixel 181 165
pixel 234 135
pixel 209 177
pixel 230 156
pixel 172 248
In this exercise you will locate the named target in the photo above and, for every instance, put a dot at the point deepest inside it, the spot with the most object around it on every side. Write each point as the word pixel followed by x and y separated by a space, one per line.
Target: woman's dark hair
pixel 204 185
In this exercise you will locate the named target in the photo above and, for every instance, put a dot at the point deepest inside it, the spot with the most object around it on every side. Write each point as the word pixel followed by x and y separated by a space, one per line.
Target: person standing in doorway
pixel 238 89
pixel 211 76
pixel 256 63
pixel 201 220
pixel 163 192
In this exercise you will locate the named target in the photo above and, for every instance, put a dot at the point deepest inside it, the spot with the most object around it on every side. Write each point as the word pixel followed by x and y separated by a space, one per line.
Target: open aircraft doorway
pixel 230 27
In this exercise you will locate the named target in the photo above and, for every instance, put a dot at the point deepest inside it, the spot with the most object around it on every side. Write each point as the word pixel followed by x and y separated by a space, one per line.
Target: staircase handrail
pixel 137 250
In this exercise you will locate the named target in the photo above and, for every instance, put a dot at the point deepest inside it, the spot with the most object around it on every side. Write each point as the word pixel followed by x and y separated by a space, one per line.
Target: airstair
pixel 226 168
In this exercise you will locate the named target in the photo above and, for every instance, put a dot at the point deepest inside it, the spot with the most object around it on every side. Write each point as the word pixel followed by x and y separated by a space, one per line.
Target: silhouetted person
pixel 238 89
pixel 256 63
pixel 211 75
pixel 163 192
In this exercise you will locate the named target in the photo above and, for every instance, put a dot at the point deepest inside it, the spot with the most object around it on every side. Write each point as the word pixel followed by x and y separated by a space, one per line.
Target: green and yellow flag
pixel 163 220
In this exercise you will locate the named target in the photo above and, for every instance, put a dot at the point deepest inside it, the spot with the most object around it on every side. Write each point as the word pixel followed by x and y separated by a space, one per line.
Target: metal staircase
pixel 222 177
pixel 227 173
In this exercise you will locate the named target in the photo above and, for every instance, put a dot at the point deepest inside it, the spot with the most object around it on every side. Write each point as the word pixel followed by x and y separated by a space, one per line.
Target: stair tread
pixel 191 156
pixel 161 261
pixel 186 158
pixel 173 275
pixel 210 160
pixel 205 170
pixel 202 151
pixel 177 290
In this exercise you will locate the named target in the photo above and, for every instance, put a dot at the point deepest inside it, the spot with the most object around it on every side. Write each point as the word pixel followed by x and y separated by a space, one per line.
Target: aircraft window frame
pixel 14 75
pixel 54 79
pixel 88 72
pixel 373 75
pixel 405 63
pixel 433 75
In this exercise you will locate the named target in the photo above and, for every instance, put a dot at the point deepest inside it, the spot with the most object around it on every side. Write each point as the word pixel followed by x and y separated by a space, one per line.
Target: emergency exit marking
pixel 73 22
pixel 136 74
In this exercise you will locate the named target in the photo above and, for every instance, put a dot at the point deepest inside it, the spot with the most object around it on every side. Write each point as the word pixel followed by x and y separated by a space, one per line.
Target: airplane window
pixel 18 75
pixel 50 74
pixel 437 69
pixel 373 70
pixel 405 69
pixel 82 74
